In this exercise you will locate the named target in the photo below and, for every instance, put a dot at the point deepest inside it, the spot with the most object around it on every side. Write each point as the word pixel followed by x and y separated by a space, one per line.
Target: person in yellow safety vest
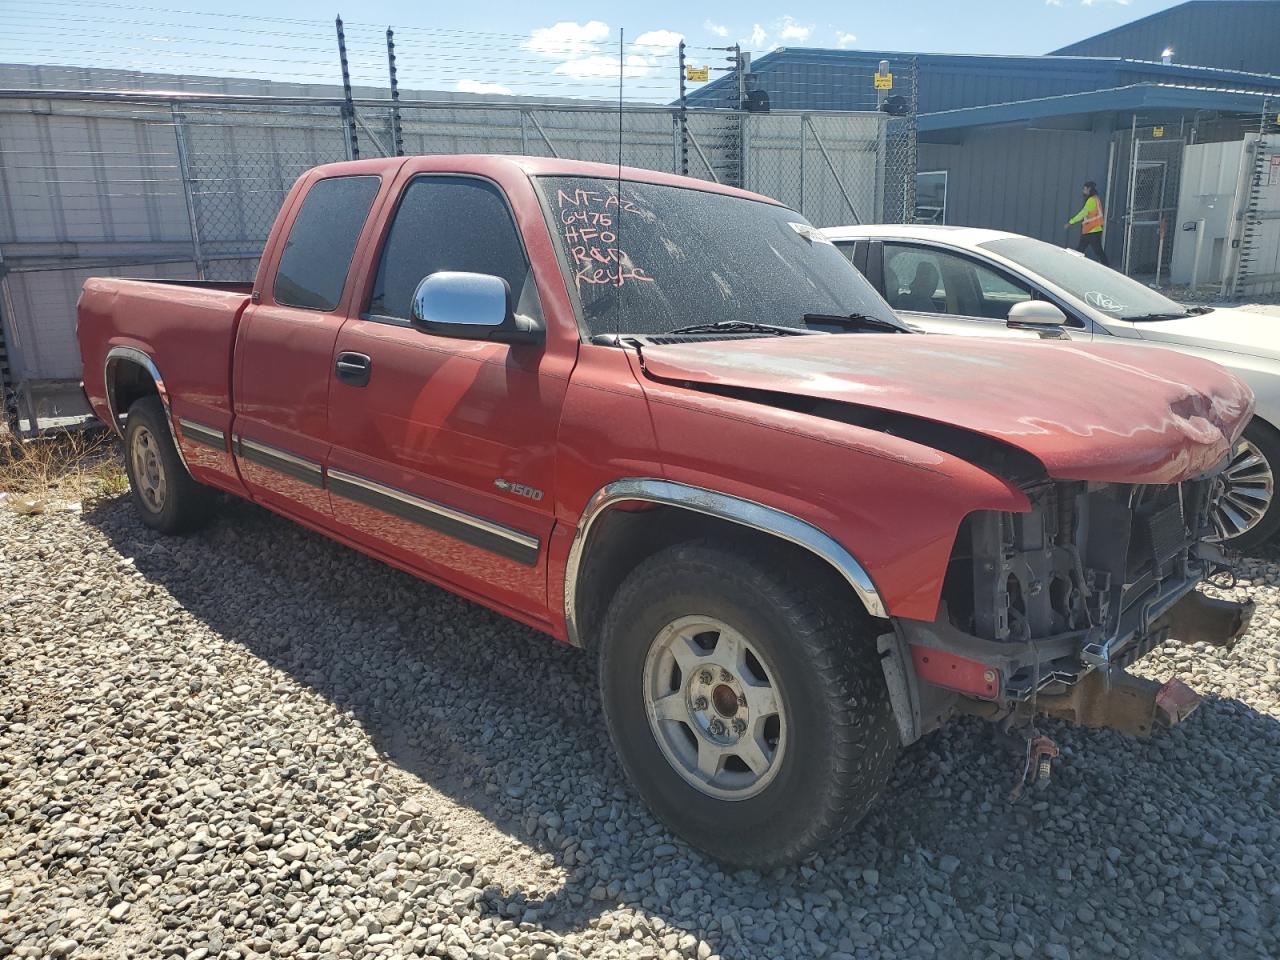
pixel 1091 221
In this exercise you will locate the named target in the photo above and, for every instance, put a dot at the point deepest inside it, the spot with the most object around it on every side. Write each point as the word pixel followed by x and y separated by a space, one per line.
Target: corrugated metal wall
pixel 1027 181
pixel 1232 34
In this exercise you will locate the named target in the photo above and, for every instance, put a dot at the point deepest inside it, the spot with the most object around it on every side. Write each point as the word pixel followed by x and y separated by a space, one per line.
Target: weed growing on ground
pixel 42 472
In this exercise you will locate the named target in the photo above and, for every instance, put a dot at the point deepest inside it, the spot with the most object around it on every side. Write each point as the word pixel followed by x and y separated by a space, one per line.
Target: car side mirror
pixel 1038 315
pixel 470 306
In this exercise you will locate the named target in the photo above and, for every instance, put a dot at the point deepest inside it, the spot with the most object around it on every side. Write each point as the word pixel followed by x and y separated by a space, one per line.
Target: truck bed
pixel 188 326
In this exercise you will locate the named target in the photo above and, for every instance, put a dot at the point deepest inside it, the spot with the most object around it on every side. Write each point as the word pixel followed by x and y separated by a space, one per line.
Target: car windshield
pixel 1101 287
pixel 673 257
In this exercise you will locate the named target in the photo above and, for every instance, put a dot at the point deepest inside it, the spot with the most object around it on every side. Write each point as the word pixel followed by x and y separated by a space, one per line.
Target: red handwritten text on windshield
pixel 589 225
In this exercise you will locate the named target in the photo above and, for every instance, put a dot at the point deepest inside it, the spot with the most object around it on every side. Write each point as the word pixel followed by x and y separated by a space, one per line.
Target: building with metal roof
pixel 1006 141
pixel 1234 34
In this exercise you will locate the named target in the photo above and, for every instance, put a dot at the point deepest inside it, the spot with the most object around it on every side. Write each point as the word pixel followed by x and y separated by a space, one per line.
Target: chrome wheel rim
pixel 714 709
pixel 1243 492
pixel 148 470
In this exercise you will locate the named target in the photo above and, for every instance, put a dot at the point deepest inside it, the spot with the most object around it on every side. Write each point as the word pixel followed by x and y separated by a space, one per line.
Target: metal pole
pixel 913 146
pixel 683 116
pixel 1160 248
pixel 740 107
pixel 348 108
pixel 1133 191
pixel 184 171
pixel 742 77
pixel 397 133
pixel 804 122
pixel 697 148
pixel 1111 163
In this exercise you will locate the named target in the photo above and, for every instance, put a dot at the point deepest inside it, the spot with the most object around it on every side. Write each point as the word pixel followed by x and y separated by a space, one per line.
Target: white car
pixel 989 283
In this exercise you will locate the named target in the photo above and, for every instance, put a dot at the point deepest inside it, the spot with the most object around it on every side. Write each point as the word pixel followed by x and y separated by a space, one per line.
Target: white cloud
pixel 845 39
pixel 481 86
pixel 1053 3
pixel 567 38
pixel 719 29
pixel 758 37
pixel 658 42
pixel 600 67
pixel 789 29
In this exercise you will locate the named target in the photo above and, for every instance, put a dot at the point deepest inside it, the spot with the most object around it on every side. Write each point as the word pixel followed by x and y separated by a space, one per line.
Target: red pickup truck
pixel 667 421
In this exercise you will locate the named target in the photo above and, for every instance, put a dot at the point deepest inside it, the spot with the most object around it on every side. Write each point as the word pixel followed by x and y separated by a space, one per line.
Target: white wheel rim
pixel 714 709
pixel 148 470
pixel 1243 493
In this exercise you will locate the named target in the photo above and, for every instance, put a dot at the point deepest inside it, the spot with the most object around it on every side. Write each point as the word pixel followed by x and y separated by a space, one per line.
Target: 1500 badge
pixel 519 489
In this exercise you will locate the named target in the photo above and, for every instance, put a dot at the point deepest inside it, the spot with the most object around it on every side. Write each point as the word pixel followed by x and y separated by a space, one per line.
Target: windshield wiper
pixel 854 320
pixel 1156 316
pixel 738 326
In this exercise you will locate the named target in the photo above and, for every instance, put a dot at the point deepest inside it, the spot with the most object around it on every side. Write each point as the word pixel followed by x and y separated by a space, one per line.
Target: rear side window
pixel 317 255
pixel 450 223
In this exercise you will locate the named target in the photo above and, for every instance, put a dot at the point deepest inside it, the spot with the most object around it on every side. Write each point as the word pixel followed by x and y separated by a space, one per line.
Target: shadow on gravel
pixel 1164 848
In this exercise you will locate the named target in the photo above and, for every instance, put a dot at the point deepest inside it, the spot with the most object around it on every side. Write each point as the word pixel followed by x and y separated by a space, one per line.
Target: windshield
pixel 1101 287
pixel 676 257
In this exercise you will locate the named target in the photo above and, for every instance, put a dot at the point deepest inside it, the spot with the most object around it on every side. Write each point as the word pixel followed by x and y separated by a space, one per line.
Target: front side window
pixel 450 223
pixel 666 257
pixel 317 256
pixel 927 280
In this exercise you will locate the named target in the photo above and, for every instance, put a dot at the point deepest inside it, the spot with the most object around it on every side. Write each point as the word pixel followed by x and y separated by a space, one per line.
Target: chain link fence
pixel 187 187
pixel 1155 176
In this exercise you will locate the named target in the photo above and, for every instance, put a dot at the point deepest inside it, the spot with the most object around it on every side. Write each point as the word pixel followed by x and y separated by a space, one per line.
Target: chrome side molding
pixel 748 513
pixel 466 527
pixel 203 434
pixel 281 461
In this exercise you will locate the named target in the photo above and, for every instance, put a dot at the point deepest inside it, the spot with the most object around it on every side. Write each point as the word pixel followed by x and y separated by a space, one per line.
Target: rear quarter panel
pixel 188 332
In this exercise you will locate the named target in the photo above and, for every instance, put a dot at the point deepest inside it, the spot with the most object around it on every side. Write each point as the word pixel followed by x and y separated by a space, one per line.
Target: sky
pixel 554 49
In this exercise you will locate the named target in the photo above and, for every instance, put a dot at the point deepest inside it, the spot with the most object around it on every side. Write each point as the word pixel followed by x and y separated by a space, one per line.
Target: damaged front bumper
pixel 933 670
pixel 1043 612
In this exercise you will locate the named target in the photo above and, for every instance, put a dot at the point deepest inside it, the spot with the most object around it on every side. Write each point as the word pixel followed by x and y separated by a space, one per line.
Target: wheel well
pixel 128 382
pixel 624 537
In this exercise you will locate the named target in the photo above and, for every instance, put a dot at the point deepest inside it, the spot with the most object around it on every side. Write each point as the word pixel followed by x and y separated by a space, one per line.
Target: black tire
pixel 1266 440
pixel 185 504
pixel 818 648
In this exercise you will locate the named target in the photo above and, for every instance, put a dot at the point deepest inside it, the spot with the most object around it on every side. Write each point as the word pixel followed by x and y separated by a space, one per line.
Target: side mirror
pixel 1038 315
pixel 470 306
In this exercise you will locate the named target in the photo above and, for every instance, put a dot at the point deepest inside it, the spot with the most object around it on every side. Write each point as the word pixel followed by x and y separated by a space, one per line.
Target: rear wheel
pixel 166 496
pixel 1245 514
pixel 746 703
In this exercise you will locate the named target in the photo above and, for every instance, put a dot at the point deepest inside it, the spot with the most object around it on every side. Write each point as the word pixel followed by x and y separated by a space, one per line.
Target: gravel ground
pixel 255 742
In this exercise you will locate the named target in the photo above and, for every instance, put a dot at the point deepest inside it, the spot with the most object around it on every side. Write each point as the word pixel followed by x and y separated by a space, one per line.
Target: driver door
pixel 444 448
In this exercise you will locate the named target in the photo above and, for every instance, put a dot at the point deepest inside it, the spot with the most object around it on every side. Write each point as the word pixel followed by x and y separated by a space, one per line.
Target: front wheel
pixel 1245 514
pixel 746 702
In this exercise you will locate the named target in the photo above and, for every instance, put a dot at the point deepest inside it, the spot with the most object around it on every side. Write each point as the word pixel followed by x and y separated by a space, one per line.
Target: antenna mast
pixel 617 230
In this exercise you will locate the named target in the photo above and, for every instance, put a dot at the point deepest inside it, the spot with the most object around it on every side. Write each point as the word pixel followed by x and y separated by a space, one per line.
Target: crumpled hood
pixel 1086 411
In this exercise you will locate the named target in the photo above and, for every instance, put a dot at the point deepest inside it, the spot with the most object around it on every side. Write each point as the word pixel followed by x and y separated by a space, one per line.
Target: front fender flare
pixel 747 513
